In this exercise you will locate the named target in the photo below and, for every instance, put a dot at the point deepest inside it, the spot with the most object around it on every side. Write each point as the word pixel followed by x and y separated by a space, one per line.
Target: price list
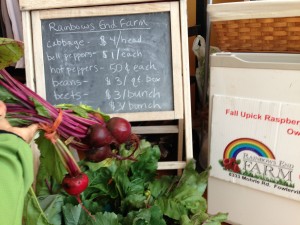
pixel 116 63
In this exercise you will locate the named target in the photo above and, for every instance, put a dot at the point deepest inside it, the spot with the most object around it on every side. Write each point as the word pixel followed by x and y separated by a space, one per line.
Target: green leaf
pixel 10 51
pixel 90 109
pixel 133 202
pixel 45 184
pixel 32 212
pixel 196 219
pixel 136 186
pixel 189 198
pixel 185 220
pixel 52 207
pixel 217 219
pixel 15 122
pixel 146 165
pixel 100 183
pixel 7 96
pixel 50 164
pixel 160 186
pixel 143 217
pixel 189 190
pixel 96 166
pixel 79 111
pixel 152 216
pixel 122 181
pixel 82 110
pixel 41 110
pixel 199 217
pixel 156 216
pixel 192 178
pixel 104 219
pixel 93 207
pixel 171 208
pixel 185 198
pixel 71 214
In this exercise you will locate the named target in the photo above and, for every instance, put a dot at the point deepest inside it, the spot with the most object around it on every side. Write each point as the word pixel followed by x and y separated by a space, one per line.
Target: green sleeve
pixel 16 177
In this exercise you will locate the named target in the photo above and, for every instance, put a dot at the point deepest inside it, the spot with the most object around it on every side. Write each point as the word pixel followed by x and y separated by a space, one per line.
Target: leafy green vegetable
pixel 71 214
pixel 215 219
pixel 82 110
pixel 52 206
pixel 41 110
pixel 10 51
pixel 51 169
pixel 33 214
pixel 7 96
pixel 171 208
pixel 152 215
pixel 105 219
pixel 127 192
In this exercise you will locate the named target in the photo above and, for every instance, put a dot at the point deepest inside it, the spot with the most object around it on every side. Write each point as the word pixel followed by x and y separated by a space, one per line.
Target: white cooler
pixel 255 138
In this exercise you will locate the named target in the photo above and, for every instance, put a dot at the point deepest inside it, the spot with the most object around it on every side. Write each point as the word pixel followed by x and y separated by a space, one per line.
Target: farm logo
pixel 251 160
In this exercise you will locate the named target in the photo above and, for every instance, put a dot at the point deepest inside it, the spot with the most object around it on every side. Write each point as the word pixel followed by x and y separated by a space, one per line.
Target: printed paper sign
pixel 256 143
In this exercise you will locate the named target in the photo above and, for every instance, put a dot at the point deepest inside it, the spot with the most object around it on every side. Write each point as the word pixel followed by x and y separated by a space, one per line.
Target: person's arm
pixel 16 177
pixel 16 168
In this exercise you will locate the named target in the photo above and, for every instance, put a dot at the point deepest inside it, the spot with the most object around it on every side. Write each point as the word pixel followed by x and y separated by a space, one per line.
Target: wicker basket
pixel 259 35
pixel 257 26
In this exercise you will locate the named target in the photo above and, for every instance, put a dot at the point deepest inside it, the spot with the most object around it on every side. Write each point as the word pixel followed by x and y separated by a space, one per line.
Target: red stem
pixel 84 208
pixel 71 126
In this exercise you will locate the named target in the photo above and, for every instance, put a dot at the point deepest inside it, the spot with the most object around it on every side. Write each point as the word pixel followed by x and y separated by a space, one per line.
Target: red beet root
pixel 98 136
pixel 99 154
pixel 75 185
pixel 120 129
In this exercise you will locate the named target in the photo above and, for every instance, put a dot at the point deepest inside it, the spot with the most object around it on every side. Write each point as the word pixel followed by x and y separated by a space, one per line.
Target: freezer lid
pixel 256 60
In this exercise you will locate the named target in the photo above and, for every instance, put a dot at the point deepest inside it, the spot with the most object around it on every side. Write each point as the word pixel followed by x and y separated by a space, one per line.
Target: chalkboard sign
pixel 118 63
pixel 129 58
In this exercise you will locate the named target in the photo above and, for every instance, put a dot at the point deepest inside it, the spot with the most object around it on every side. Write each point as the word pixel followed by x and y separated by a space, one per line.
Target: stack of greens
pixel 122 192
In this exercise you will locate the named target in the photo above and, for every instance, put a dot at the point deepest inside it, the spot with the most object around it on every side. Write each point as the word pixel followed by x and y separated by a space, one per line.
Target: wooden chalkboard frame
pixel 30 17
pixel 27 5
pixel 171 7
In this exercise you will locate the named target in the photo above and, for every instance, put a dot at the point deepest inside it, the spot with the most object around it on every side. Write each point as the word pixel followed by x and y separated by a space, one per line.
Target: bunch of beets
pixel 90 134
pixel 101 139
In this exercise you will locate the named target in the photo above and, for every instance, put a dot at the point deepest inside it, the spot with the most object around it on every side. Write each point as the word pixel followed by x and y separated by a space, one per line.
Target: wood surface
pixel 29 5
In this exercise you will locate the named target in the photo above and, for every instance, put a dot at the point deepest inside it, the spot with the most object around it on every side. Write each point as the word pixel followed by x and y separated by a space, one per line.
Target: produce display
pixel 116 180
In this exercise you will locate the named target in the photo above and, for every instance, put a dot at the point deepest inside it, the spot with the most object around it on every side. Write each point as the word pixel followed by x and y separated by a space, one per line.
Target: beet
pixel 99 154
pixel 74 185
pixel 98 136
pixel 119 128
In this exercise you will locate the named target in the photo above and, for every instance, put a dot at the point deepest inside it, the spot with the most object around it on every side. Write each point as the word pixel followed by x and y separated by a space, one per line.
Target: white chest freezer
pixel 254 138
